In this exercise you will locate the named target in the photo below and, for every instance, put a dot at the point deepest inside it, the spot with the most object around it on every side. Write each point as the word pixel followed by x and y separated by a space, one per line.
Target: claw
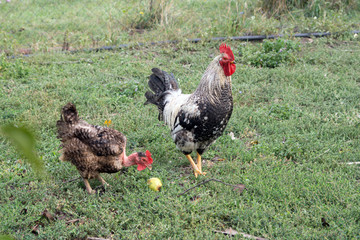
pixel 197 172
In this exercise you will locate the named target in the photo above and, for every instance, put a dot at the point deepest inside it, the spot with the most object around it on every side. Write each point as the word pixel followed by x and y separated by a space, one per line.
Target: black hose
pixel 196 40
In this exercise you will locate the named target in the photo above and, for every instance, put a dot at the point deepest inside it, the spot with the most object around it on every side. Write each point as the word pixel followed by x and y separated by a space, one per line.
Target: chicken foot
pixel 103 182
pixel 197 171
pixel 88 187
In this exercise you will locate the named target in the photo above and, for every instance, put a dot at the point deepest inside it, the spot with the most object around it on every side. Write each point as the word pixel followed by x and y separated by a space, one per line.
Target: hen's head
pixel 227 60
pixel 144 160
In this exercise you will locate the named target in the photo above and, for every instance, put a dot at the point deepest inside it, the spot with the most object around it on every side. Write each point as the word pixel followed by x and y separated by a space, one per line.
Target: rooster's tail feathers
pixel 160 82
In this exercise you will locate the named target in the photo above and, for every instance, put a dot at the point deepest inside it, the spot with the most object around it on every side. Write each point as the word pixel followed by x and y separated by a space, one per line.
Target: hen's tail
pixel 160 82
pixel 69 116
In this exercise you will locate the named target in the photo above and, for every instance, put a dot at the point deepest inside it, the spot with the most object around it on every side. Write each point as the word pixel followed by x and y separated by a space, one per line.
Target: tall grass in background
pixel 156 13
pixel 312 8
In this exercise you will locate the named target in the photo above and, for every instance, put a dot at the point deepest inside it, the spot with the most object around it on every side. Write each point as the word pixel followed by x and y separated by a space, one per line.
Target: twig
pixel 353 163
pixel 245 235
pixel 206 181
pixel 231 232
pixel 72 221
pixel 96 238
pixel 67 62
pixel 71 180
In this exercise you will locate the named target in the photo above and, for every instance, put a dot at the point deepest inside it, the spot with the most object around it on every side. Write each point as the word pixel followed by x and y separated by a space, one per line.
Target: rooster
pixel 94 149
pixel 196 120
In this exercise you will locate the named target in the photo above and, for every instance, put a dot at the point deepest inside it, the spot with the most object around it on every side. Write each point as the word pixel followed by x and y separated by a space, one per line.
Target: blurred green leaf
pixel 6 237
pixel 24 141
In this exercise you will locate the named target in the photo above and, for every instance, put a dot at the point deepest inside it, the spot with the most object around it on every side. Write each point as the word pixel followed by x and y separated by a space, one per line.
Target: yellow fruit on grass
pixel 154 184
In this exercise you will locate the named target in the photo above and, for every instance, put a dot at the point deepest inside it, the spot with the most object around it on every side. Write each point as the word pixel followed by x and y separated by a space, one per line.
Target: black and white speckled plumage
pixel 196 120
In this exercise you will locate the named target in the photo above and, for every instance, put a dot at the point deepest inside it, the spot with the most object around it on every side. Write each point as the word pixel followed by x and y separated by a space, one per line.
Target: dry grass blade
pixel 35 229
pixel 96 238
pixel 71 180
pixel 239 188
pixel 353 163
pixel 231 232
pixel 47 215
pixel 73 221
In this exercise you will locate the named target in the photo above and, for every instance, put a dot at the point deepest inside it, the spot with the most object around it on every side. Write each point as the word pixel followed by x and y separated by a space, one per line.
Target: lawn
pixel 294 128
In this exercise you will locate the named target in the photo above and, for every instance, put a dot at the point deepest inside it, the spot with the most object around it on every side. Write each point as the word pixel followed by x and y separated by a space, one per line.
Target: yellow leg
pixel 196 169
pixel 198 159
pixel 88 187
pixel 103 182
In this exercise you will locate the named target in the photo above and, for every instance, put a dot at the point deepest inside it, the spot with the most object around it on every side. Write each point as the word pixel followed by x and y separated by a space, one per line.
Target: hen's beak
pixel 149 167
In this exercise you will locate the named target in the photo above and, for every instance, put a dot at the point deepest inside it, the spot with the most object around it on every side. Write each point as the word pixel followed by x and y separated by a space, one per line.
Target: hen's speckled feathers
pixel 92 149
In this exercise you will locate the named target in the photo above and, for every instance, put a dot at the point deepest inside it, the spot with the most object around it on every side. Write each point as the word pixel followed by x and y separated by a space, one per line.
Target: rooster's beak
pixel 233 62
pixel 149 167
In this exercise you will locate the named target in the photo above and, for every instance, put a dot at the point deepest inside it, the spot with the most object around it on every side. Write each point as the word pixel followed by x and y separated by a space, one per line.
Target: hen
pixel 196 120
pixel 94 149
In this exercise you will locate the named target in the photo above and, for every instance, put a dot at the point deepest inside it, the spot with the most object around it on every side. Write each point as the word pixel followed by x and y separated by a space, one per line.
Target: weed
pixel 12 68
pixel 272 53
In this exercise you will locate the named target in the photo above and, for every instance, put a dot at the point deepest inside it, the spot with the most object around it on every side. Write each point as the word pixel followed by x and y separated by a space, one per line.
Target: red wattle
pixel 141 167
pixel 229 68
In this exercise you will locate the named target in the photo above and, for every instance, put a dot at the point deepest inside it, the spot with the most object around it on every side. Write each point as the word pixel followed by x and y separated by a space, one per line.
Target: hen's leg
pixel 88 187
pixel 196 169
pixel 103 182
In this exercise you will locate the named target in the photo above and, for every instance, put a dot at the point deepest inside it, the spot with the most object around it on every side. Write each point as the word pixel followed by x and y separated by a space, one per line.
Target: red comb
pixel 148 155
pixel 227 50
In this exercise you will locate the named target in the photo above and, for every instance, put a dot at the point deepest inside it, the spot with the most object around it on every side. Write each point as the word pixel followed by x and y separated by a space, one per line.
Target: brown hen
pixel 94 149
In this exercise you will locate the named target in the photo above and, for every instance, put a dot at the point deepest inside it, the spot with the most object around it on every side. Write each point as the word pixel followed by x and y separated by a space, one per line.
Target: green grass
pixel 30 26
pixel 295 126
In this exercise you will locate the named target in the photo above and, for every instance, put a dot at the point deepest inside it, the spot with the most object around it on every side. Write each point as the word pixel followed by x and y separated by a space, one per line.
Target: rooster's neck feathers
pixel 213 82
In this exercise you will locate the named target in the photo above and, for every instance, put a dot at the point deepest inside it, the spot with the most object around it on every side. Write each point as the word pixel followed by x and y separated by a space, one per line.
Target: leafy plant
pixel 12 69
pixel 282 112
pixel 289 149
pixel 24 141
pixel 273 53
